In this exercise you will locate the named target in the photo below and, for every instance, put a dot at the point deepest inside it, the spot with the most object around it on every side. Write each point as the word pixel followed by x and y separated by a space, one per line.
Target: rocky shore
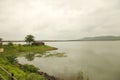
pixel 47 76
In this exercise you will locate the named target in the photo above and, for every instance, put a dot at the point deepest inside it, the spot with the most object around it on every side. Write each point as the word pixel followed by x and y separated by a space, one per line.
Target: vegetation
pixel 29 39
pixel 0 42
pixel 56 55
pixel 0 39
pixel 29 68
pixel 9 62
pixel 10 44
pixel 33 76
pixel 17 49
pixel 30 56
pixel 21 73
pixel 11 59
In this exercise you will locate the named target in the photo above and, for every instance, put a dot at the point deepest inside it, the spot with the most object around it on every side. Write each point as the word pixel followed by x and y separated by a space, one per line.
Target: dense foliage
pixel 9 62
pixel 30 68
pixel 29 39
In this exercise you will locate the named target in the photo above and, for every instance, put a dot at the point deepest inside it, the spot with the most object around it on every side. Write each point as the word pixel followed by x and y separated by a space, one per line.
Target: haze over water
pixel 97 59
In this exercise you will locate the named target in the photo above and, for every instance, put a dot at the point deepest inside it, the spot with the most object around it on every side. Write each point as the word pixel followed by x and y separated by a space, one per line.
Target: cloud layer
pixel 58 19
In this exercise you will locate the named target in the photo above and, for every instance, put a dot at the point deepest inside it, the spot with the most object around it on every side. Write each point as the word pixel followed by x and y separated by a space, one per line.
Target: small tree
pixel 29 39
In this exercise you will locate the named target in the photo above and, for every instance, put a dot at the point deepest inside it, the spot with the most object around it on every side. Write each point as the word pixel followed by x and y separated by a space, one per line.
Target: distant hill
pixel 101 38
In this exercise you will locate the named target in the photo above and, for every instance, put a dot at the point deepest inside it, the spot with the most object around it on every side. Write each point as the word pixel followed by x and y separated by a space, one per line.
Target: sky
pixel 58 19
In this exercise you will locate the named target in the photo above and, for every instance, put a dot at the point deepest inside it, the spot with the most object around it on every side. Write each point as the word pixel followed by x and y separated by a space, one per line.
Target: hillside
pixel 101 38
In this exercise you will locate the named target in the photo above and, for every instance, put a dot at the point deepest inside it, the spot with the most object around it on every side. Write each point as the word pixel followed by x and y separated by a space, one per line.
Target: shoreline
pixel 46 75
pixel 13 51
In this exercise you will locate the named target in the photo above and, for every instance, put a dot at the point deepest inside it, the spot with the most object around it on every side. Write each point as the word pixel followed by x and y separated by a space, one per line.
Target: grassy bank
pixel 26 72
pixel 18 49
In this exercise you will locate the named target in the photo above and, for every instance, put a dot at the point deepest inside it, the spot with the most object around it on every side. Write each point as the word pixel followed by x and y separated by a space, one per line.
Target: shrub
pixel 12 59
pixel 30 68
pixel 33 76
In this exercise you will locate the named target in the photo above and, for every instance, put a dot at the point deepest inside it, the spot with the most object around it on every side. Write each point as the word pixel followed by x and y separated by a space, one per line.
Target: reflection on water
pixel 30 56
pixel 55 54
pixel 98 60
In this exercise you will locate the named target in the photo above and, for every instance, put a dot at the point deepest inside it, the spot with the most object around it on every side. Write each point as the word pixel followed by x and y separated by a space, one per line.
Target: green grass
pixel 8 61
pixel 19 73
pixel 26 48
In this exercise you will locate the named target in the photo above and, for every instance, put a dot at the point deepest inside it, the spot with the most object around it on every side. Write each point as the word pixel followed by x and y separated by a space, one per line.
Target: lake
pixel 99 60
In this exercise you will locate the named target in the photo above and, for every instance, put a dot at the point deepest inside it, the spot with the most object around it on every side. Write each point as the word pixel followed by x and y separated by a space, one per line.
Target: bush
pixel 33 76
pixel 30 68
pixel 12 59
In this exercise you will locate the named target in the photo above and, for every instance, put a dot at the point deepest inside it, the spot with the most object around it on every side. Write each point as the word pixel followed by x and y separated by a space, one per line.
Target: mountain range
pixel 101 38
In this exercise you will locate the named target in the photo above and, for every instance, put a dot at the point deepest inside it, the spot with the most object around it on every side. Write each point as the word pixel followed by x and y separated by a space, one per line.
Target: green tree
pixel 29 39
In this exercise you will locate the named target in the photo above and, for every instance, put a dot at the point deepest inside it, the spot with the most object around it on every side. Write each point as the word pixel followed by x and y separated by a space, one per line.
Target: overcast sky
pixel 58 19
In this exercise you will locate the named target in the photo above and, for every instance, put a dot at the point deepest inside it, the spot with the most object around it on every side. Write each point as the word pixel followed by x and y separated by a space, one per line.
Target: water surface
pixel 100 60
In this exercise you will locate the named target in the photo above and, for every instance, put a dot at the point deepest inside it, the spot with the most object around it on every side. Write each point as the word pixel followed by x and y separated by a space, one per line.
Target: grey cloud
pixel 58 19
